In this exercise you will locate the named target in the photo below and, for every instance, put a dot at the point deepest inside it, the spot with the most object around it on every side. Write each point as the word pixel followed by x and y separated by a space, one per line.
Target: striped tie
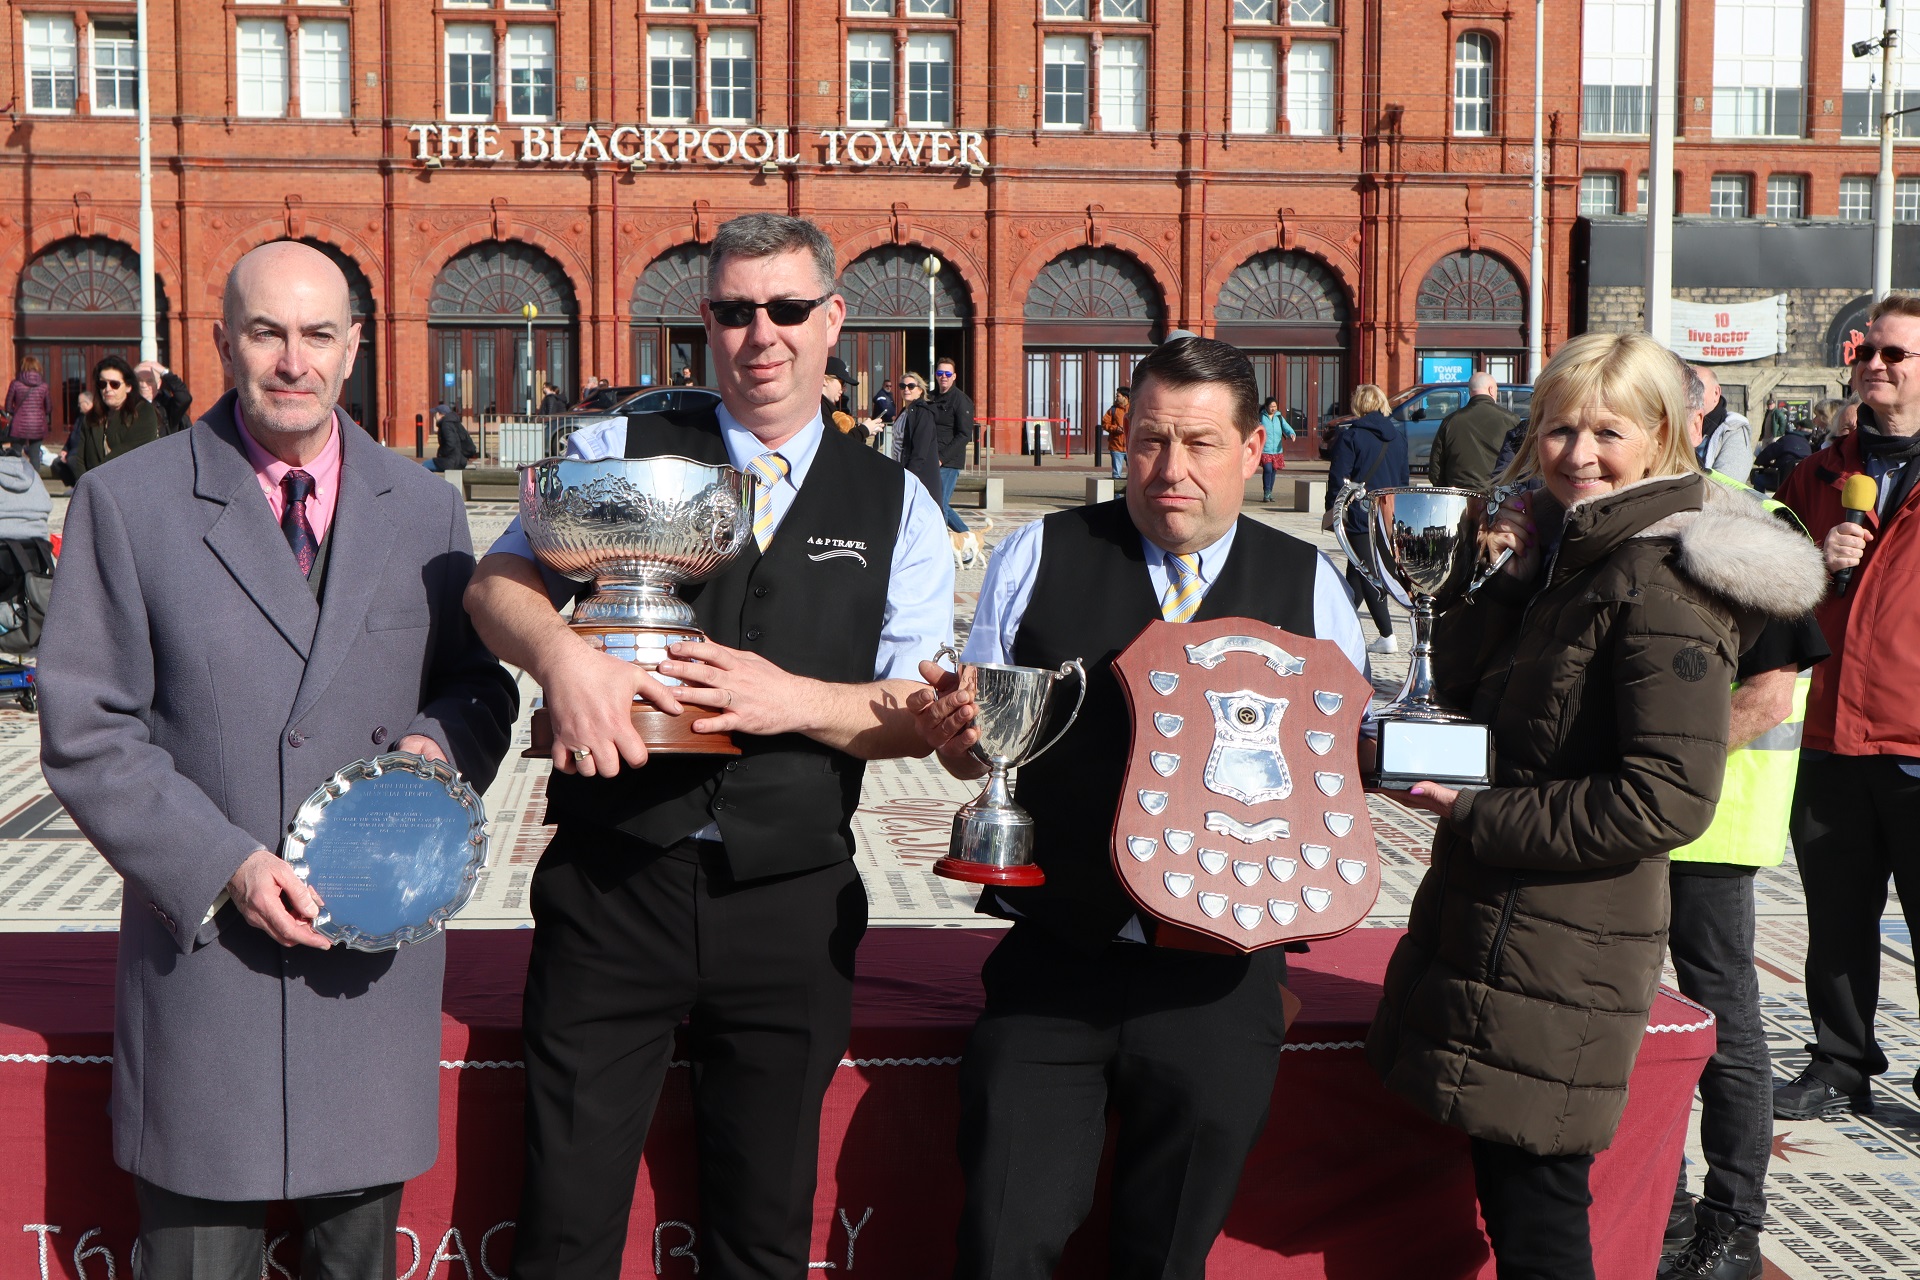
pixel 1183 587
pixel 770 469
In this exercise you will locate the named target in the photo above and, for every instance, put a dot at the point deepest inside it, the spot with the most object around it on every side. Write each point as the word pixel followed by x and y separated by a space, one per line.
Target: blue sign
pixel 447 378
pixel 1446 368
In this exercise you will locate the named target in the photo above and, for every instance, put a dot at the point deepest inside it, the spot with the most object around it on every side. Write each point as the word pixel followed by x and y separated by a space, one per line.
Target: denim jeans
pixel 948 475
pixel 1119 459
pixel 1711 941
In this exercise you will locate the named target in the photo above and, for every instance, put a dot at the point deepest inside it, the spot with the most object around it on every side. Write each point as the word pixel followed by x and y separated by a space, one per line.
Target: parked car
pixel 667 400
pixel 1419 410
pixel 604 398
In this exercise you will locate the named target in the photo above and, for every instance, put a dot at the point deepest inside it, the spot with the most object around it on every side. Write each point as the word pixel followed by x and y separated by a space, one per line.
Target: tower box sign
pixel 675 145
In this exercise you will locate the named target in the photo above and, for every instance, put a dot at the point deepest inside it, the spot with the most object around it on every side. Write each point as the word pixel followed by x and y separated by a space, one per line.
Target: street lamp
pixel 1883 186
pixel 931 265
pixel 530 311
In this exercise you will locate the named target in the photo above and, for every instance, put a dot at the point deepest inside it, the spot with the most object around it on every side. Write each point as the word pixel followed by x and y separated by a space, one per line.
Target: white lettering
pixel 591 140
pixel 43 1231
pixel 907 146
pixel 425 131
pixel 271 1263
pixel 688 139
pixel 970 144
pixel 706 145
pixel 557 157
pixel 484 1241
pixel 938 154
pixel 785 156
pixel 452 1237
pixel 853 140
pixel 460 139
pixel 747 138
pixel 834 137
pixel 414 1240
pixel 613 145
pixel 533 144
pixel 678 1251
pixel 656 140
pixel 81 1253
pixel 853 1231
pixel 487 136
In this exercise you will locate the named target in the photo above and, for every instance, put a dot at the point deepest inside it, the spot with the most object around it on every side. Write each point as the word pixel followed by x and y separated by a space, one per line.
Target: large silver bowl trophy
pixel 637 528
pixel 992 839
pixel 1426 554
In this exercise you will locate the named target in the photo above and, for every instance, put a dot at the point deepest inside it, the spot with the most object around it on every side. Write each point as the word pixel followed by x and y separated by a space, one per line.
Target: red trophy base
pixel 663 734
pixel 1023 876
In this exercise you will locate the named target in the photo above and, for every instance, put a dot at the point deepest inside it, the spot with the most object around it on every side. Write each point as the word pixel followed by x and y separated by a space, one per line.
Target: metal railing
pixel 516 439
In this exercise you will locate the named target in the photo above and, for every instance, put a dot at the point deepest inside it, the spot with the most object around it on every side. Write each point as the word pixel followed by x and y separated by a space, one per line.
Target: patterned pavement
pixel 1845 1193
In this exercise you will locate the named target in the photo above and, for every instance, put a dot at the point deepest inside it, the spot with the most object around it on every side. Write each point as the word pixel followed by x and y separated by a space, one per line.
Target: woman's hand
pixel 1432 797
pixel 1513 528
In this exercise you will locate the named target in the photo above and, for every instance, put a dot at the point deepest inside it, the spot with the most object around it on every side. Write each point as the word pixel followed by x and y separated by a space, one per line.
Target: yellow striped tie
pixel 770 469
pixel 1183 587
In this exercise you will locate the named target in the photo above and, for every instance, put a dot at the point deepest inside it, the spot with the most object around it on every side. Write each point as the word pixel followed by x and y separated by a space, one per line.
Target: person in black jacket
pixel 552 402
pixel 456 445
pixel 1371 452
pixel 954 412
pixel 168 394
pixel 917 433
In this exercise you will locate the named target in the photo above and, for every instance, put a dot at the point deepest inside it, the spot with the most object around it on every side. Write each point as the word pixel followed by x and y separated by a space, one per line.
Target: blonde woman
pixel 1371 451
pixel 1603 656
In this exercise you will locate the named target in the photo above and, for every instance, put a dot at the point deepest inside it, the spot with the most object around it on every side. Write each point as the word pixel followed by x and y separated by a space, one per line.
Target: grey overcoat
pixel 193 694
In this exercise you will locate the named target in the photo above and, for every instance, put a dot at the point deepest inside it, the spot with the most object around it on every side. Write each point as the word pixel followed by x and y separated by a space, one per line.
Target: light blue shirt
pixel 918 617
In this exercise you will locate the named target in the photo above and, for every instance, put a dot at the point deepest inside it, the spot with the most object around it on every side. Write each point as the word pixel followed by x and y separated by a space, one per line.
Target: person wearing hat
pixel 833 399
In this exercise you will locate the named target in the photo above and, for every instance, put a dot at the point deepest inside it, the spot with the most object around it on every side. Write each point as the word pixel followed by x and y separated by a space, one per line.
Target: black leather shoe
pixel 1679 1234
pixel 1807 1097
pixel 1722 1249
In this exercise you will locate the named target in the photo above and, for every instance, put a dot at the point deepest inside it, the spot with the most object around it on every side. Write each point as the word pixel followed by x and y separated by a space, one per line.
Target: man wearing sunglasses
pixel 1858 792
pixel 712 889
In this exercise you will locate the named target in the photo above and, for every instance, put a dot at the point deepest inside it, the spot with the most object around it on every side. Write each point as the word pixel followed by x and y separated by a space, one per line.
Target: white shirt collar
pixel 743 446
pixel 1211 557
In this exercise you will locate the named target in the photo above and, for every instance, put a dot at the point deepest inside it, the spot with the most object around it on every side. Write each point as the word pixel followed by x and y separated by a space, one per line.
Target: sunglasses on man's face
pixel 1889 355
pixel 944 373
pixel 737 313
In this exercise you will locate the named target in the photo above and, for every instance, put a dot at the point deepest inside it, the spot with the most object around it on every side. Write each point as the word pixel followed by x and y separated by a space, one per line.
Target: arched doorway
pixel 665 317
pixel 358 395
pixel 1471 307
pixel 1091 315
pixel 1289 312
pixel 79 301
pixel 479 334
pixel 886 332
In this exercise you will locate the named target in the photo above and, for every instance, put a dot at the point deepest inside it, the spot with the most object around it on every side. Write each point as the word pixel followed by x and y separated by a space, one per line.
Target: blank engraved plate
pixel 1140 847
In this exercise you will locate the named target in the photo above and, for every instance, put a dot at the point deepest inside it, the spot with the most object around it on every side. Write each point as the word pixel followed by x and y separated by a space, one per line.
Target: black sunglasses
pixel 112 385
pixel 1892 355
pixel 737 313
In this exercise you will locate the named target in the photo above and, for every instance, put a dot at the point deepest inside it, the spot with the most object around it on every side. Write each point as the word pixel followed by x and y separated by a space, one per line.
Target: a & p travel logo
pixel 837 549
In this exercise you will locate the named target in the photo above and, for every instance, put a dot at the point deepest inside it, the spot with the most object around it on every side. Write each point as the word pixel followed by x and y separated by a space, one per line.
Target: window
pixel 1599 194
pixel 1906 200
pixel 469 73
pixel 1616 67
pixel 930 80
pixel 730 76
pixel 1473 85
pixel 1254 86
pixel 1253 10
pixel 469 4
pixel 1310 13
pixel 116 69
pixel 870 80
pixel 1856 199
pixel 1727 196
pixel 1123 10
pixel 263 67
pixel 1056 10
pixel 1759 68
pixel 670 76
pixel 1310 88
pixel 729 6
pixel 1860 77
pixel 53 78
pixel 875 8
pixel 1786 196
pixel 1123 84
pixel 324 91
pixel 670 6
pixel 529 72
pixel 929 8
pixel 1640 192
pixel 1064 85
pixel 517 4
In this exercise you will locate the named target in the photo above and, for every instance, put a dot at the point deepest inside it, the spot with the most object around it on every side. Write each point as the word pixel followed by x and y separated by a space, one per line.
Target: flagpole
pixel 149 319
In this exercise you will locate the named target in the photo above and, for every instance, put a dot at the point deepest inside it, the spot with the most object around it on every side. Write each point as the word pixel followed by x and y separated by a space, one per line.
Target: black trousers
pixel 1376 602
pixel 1711 942
pixel 1853 826
pixel 1536 1211
pixel 1182 1047
pixel 630 940
pixel 347 1237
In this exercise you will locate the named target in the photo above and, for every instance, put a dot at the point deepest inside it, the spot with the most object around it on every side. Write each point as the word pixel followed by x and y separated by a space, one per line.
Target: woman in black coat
pixel 1371 451
pixel 120 419
pixel 917 432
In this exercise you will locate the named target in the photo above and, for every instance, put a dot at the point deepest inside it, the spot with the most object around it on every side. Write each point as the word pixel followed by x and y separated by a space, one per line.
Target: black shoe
pixel 1723 1250
pixel 1807 1097
pixel 1678 1237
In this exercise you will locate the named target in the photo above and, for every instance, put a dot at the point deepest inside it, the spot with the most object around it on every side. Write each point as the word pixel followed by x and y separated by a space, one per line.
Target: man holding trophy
pixel 709 878
pixel 1083 1013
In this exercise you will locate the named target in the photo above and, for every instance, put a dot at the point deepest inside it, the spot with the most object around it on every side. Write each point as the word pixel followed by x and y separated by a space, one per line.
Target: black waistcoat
pixel 786 803
pixel 1090 599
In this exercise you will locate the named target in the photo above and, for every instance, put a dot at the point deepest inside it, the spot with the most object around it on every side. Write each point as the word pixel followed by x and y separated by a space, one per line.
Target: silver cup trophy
pixel 992 839
pixel 1426 554
pixel 637 528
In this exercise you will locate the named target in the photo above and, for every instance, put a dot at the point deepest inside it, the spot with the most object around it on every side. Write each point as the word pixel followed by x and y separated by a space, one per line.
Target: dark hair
pixel 766 235
pixel 119 365
pixel 1189 362
pixel 1270 400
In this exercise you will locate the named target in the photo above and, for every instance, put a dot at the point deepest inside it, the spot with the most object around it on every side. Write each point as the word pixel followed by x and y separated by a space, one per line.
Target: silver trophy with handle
pixel 992 839
pixel 1426 555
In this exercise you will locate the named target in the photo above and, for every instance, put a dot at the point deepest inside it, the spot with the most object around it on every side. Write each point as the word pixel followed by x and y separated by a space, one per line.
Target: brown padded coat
pixel 1515 1004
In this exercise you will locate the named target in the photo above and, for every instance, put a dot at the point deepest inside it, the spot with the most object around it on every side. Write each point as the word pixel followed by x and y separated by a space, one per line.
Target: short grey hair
pixel 1696 386
pixel 766 235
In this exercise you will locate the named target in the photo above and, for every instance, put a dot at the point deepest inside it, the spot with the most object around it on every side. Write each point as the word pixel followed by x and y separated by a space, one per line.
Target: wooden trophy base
pixel 663 734
pixel 1023 876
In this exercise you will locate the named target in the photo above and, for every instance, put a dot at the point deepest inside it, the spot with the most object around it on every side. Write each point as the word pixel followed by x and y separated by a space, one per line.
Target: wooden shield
pixel 1242 816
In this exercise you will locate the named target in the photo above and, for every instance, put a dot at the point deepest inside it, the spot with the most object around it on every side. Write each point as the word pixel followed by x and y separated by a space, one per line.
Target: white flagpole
pixel 149 320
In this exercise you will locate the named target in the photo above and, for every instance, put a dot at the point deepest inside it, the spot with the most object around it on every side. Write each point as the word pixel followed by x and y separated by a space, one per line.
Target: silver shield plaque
pixel 393 846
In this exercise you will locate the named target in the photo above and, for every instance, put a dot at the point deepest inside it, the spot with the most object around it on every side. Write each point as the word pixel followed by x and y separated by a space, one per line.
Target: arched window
pixel 889 286
pixel 1278 287
pixel 494 279
pixel 1471 288
pixel 1093 284
pixel 671 287
pixel 1473 85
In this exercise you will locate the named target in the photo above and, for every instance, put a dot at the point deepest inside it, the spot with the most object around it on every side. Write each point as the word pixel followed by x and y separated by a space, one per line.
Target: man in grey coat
pixel 240 610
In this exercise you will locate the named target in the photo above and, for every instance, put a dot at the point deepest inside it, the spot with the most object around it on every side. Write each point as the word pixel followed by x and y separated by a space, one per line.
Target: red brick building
pixel 1341 186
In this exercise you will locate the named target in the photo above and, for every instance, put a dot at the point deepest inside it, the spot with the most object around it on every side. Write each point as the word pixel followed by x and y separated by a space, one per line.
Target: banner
pixel 1716 332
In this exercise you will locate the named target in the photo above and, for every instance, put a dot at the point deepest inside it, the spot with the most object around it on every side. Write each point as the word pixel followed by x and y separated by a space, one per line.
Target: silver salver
pixel 393 846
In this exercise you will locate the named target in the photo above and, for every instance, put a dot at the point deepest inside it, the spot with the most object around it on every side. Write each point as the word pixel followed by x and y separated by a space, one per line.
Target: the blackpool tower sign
pixel 672 145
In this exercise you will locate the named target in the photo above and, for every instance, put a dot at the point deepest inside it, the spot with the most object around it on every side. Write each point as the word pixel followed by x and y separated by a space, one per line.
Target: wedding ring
pixel 579 753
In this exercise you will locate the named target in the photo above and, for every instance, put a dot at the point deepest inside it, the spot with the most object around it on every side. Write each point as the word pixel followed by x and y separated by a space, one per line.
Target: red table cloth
pixel 1346 1182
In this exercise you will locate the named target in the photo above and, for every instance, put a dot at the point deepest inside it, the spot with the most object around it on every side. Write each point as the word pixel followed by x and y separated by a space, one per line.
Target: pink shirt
pixel 324 469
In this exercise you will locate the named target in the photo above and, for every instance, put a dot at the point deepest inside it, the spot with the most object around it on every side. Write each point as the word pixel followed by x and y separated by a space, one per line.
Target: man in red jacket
pixel 1858 794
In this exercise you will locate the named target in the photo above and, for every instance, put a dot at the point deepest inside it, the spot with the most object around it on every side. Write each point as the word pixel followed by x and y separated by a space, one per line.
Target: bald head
pixel 1482 384
pixel 287 341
